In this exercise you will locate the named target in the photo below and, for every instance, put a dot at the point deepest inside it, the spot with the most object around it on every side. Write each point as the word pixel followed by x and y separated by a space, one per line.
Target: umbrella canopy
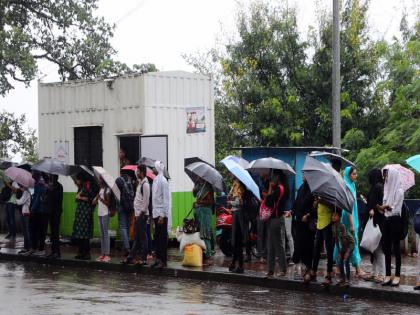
pixel 414 162
pixel 20 176
pixel 151 163
pixel 238 171
pixel 52 166
pixel 108 179
pixel 328 184
pixel 4 165
pixel 270 163
pixel 331 156
pixel 206 172
pixel 407 176
pixel 26 166
pixel 238 160
pixel 133 168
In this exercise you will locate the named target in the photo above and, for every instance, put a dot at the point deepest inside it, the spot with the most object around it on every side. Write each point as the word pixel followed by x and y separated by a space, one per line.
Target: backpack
pixel 417 221
pixel 5 194
pixel 127 195
pixel 251 205
pixel 405 220
pixel 112 208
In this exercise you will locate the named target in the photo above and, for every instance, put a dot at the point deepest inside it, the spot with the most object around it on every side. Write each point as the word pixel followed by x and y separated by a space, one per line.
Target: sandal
pixel 327 281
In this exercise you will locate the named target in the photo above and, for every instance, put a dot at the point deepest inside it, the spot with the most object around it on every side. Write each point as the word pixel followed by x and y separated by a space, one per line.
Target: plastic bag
pixel 193 256
pixel 371 237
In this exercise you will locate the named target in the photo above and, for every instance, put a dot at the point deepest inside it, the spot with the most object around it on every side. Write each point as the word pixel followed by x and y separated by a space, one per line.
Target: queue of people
pixel 317 224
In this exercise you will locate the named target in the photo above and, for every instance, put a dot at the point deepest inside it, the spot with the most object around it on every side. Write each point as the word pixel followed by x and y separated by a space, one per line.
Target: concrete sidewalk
pixel 218 271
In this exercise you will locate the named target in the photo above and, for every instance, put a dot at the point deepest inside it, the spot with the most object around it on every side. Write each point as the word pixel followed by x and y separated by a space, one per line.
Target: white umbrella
pixel 108 179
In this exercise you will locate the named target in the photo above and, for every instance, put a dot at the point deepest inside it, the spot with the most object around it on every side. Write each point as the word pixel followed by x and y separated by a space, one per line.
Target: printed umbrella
pixel 53 166
pixel 20 176
pixel 328 184
pixel 407 176
pixel 331 156
pixel 238 160
pixel 270 163
pixel 242 175
pixel 108 179
pixel 133 168
pixel 206 172
pixel 414 162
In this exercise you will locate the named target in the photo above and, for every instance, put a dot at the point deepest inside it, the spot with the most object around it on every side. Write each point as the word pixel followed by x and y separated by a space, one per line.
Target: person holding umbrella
pixel 54 205
pixel 276 199
pixel 83 219
pixel 39 214
pixel 203 208
pixel 235 201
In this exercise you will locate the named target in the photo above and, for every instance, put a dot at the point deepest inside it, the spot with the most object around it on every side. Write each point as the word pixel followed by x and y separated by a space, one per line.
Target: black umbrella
pixel 270 163
pixel 206 172
pixel 328 184
pixel 151 164
pixel 53 166
pixel 4 165
pixel 331 156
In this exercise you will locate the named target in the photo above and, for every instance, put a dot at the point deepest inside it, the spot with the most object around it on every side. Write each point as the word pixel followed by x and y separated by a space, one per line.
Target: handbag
pixel 265 211
pixel 190 226
pixel 371 237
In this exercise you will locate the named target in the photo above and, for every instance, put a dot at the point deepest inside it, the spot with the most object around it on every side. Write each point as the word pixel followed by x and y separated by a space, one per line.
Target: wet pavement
pixel 58 289
pixel 30 288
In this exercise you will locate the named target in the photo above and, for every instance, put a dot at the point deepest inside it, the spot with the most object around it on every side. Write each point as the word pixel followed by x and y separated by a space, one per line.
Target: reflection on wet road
pixel 40 289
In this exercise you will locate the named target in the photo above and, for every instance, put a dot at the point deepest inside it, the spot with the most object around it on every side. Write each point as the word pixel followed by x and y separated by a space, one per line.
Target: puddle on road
pixel 39 289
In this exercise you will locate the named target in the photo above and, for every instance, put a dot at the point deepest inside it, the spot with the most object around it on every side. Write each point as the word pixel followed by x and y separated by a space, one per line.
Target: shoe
pixel 327 281
pixel 78 256
pixel 232 267
pixel 280 274
pixel 100 258
pixel 127 261
pixel 28 253
pixel 106 259
pixel 269 275
pixel 85 257
pixel 40 253
pixel 417 287
pixel 155 264
pixel 161 265
pixel 23 251
pixel 395 282
pixel 238 270
pixel 7 236
pixel 345 284
pixel 387 281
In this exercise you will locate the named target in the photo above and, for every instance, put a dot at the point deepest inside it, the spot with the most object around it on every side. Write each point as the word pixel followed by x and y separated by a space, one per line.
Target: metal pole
pixel 336 119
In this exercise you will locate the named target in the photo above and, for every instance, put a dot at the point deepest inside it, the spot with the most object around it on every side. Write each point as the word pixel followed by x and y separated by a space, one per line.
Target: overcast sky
pixel 160 31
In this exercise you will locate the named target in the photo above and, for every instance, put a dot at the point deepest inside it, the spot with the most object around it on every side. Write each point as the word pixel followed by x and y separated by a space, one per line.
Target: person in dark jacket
pixel 39 214
pixel 304 217
pixel 55 209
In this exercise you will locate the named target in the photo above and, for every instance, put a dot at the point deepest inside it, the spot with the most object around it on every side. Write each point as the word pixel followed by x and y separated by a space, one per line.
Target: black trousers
pixel 304 244
pixel 55 218
pixel 321 237
pixel 237 238
pixel 84 246
pixel 161 240
pixel 140 244
pixel 38 227
pixel 391 243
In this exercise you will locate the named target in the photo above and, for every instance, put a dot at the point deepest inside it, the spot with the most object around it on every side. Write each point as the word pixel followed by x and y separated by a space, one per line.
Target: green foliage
pixel 64 32
pixel 15 138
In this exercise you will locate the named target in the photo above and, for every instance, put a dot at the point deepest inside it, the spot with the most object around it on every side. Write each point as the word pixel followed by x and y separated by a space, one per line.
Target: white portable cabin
pixel 161 115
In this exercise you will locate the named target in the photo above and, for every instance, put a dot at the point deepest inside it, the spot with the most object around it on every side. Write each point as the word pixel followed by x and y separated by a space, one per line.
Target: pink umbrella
pixel 407 176
pixel 133 168
pixel 20 176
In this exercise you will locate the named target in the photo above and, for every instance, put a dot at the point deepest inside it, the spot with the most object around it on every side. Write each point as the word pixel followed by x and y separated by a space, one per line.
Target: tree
pixel 399 137
pixel 64 32
pixel 15 138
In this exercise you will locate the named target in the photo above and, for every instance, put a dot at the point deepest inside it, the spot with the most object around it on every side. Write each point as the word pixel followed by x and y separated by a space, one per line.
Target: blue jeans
pixel 103 224
pixel 10 218
pixel 124 223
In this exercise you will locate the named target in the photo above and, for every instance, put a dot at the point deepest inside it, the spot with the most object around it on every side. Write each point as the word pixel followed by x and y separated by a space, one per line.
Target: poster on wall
pixel 196 119
pixel 61 151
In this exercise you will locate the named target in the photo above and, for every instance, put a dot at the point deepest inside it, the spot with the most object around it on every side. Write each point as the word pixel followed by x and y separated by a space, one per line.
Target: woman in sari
pixel 203 210
pixel 83 219
pixel 351 220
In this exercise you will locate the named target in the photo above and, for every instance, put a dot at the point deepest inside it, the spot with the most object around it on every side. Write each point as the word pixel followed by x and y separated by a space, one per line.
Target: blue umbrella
pixel 240 173
pixel 238 160
pixel 414 162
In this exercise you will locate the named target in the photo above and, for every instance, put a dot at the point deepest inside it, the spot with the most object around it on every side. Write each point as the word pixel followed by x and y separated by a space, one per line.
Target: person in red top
pixel 276 198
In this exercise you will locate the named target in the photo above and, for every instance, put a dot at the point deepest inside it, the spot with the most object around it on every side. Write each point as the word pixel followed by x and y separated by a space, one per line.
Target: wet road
pixel 39 289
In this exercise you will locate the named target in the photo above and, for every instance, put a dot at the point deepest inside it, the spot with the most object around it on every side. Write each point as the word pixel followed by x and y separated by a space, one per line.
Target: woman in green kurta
pixel 83 219
pixel 203 209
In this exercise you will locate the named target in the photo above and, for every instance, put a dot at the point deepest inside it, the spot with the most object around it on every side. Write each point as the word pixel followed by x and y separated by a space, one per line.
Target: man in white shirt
pixel 161 208
pixel 141 212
